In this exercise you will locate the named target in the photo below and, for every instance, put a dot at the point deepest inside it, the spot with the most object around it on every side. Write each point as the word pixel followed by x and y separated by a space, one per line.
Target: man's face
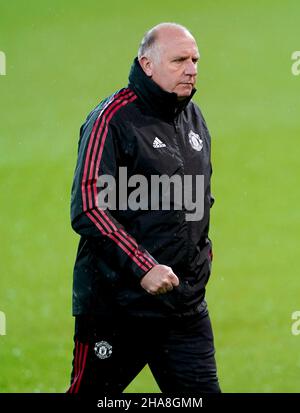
pixel 175 69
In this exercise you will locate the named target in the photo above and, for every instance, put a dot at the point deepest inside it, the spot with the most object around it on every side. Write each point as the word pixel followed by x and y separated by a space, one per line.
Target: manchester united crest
pixel 103 350
pixel 195 141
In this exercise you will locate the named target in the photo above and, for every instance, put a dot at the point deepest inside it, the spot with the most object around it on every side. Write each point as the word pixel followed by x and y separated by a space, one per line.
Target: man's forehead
pixel 177 41
pixel 181 48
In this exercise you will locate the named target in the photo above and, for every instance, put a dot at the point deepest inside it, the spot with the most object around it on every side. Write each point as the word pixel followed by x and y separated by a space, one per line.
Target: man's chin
pixel 184 91
pixel 182 96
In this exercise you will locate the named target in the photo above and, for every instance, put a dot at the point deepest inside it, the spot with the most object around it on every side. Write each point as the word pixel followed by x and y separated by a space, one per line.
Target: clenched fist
pixel 159 280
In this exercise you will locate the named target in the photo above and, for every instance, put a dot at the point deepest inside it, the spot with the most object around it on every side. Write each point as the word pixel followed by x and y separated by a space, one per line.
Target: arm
pixel 96 156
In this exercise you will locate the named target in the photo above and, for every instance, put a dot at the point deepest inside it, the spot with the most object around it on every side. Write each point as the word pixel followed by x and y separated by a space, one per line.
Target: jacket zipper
pixel 181 153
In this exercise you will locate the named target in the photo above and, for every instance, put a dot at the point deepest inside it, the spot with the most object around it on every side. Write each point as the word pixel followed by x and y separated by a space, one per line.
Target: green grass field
pixel 62 59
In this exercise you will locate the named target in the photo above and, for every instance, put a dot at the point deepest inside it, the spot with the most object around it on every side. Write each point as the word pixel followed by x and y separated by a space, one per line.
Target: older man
pixel 140 272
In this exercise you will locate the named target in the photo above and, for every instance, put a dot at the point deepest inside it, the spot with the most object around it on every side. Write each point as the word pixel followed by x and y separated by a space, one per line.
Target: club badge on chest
pixel 195 141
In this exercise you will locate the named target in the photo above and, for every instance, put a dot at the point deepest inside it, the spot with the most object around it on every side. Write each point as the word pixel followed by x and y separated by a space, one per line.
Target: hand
pixel 159 280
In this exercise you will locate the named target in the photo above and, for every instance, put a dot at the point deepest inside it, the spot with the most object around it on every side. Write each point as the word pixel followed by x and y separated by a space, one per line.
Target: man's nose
pixel 191 68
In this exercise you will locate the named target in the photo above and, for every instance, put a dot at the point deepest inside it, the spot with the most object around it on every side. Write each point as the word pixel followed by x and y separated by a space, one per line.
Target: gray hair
pixel 149 47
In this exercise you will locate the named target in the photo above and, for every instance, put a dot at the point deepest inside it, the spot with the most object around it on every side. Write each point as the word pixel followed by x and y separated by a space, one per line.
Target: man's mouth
pixel 187 84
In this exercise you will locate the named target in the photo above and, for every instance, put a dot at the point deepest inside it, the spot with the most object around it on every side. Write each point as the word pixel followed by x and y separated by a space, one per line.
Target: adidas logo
pixel 157 143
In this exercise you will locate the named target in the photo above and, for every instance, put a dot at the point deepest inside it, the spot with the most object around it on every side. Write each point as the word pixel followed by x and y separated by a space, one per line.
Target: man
pixel 140 273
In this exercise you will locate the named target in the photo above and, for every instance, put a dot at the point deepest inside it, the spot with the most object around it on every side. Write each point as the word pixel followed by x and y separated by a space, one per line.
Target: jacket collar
pixel 163 103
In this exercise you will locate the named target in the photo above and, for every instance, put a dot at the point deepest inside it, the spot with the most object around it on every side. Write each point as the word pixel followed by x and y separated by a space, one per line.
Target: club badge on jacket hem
pixel 103 350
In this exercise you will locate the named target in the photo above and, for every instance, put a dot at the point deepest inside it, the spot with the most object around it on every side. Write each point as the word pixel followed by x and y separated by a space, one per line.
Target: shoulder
pixel 112 104
pixel 195 109
pixel 107 110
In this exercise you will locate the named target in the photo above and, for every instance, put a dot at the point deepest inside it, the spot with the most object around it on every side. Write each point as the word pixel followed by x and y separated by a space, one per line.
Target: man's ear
pixel 146 65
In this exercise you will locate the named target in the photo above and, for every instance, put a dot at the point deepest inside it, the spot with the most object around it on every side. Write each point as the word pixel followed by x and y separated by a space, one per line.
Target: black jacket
pixel 118 247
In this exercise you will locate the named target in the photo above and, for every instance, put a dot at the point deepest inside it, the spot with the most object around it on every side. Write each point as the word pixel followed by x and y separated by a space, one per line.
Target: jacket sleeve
pixel 212 198
pixel 97 156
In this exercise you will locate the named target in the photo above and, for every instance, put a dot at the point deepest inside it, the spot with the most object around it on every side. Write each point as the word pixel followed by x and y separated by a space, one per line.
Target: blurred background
pixel 62 58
